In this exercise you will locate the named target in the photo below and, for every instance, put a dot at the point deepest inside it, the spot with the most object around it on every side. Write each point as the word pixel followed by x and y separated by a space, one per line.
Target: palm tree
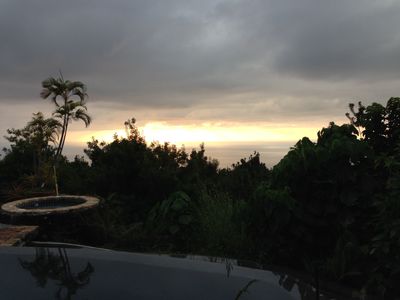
pixel 69 97
pixel 47 266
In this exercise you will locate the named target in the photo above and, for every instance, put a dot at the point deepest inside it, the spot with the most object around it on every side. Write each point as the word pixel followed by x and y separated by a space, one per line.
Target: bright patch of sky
pixel 226 71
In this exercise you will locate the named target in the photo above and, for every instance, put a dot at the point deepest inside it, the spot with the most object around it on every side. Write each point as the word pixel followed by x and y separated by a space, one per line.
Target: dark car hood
pixel 64 273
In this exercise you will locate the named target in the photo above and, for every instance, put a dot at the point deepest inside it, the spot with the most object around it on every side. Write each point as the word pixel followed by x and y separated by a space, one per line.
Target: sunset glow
pixel 81 137
pixel 206 132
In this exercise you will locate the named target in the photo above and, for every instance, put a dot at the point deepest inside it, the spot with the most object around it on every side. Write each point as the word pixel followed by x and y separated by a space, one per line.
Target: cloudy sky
pixel 250 71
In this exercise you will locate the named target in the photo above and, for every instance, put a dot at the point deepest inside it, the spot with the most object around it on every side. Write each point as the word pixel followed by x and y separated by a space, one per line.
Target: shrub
pixel 172 218
pixel 221 225
pixel 272 221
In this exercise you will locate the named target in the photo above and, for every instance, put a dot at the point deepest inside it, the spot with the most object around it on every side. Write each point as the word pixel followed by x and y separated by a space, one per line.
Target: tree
pixel 25 168
pixel 380 128
pixel 378 125
pixel 333 183
pixel 36 135
pixel 242 179
pixel 69 98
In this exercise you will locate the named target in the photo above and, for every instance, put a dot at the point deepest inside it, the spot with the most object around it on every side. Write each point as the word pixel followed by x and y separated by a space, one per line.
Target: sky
pixel 253 73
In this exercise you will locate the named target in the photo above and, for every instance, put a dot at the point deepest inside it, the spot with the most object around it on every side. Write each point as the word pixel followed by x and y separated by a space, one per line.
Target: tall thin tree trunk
pixel 62 138
pixel 59 149
pixel 55 180
pixel 55 165
pixel 59 144
pixel 65 136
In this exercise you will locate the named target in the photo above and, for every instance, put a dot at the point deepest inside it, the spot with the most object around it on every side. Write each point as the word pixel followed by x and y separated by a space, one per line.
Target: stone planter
pixel 51 205
pixel 48 211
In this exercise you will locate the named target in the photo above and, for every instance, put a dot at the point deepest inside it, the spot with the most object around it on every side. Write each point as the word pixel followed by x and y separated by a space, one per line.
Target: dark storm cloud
pixel 269 59
pixel 341 39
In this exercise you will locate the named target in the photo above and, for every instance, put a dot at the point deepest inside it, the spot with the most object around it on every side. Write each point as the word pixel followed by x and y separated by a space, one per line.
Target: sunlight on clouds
pixel 81 137
pixel 206 132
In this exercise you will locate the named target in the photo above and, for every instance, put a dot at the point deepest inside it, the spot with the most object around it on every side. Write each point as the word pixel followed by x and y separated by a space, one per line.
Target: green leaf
pixel 185 219
pixel 179 204
pixel 173 229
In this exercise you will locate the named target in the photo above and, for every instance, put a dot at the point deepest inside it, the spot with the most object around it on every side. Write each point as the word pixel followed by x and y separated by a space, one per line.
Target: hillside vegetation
pixel 330 208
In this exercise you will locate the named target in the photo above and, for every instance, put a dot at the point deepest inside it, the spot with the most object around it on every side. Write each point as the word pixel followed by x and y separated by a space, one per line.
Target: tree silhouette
pixel 69 97
pixel 38 133
pixel 50 266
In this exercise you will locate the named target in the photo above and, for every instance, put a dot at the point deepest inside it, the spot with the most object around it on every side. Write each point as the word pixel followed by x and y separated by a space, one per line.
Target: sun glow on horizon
pixel 205 132
pixel 100 135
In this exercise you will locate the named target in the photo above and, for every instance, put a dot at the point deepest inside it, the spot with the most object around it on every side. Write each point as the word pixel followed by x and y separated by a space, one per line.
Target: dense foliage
pixel 330 207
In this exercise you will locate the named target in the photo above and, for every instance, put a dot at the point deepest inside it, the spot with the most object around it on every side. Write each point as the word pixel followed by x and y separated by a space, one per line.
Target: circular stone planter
pixel 51 205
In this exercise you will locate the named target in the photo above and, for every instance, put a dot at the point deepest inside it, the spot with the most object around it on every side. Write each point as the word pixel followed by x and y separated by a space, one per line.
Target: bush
pixel 271 222
pixel 221 225
pixel 172 218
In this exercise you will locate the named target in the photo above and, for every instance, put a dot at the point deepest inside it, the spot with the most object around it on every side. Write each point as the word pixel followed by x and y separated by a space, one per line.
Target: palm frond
pixel 45 93
pixel 81 114
pixel 69 98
